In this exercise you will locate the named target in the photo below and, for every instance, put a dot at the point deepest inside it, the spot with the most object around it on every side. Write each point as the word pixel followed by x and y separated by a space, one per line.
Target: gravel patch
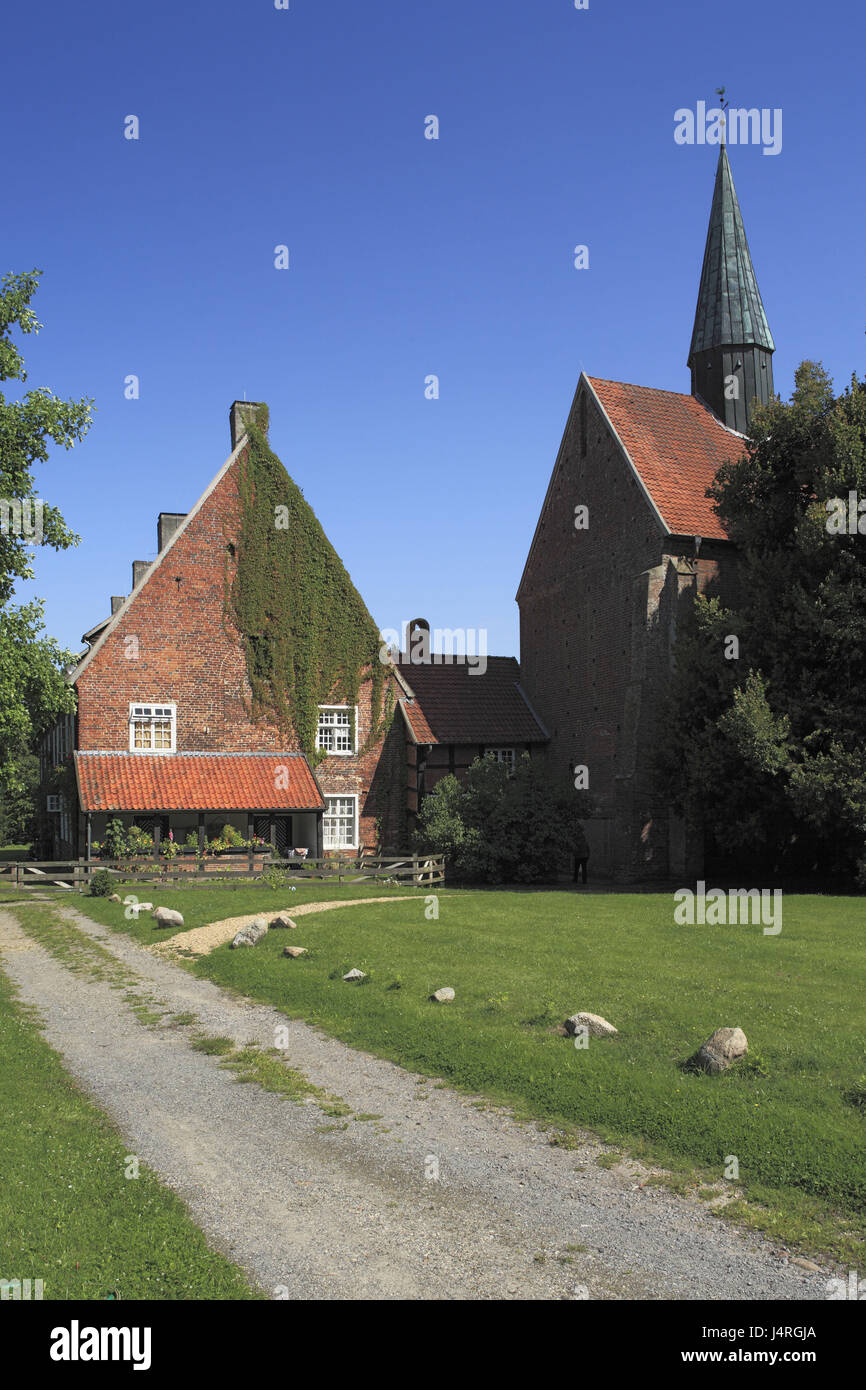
pixel 345 1208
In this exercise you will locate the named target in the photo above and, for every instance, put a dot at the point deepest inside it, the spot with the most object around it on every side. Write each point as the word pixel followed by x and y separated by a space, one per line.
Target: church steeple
pixel 731 354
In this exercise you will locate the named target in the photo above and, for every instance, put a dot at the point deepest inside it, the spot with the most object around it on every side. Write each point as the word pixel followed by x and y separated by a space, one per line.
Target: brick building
pixel 167 737
pixel 625 538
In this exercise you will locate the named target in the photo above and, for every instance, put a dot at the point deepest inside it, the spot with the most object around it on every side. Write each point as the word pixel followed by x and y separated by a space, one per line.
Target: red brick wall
pixel 598 611
pixel 186 649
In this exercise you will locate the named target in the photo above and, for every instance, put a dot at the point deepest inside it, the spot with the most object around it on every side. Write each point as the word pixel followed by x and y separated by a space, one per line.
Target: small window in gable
pixel 152 728
pixel 336 729
pixel 502 755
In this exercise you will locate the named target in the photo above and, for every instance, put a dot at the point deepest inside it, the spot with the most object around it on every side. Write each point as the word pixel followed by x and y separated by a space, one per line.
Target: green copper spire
pixel 731 340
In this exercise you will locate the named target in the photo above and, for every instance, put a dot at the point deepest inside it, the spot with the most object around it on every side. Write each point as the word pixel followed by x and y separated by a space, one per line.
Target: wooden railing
pixel 417 870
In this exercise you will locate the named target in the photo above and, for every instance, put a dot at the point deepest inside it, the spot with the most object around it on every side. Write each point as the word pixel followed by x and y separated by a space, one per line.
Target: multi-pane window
pixel 151 728
pixel 339 822
pixel 335 731
pixel 502 755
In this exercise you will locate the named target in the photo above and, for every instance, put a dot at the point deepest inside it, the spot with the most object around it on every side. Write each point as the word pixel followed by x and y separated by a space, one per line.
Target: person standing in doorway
pixel 581 855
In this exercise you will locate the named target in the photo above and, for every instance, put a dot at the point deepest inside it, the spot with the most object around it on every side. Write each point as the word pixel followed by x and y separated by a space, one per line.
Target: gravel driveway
pixel 314 1210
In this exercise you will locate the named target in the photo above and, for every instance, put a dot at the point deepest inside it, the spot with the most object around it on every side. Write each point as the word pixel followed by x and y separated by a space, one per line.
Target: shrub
pixel 138 841
pixel 501 827
pixel 115 843
pixel 101 884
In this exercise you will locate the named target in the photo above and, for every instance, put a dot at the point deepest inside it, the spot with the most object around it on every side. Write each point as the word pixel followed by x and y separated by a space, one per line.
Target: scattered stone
pixel 295 951
pixel 595 1025
pixel 142 907
pixel 114 897
pixel 806 1264
pixel 250 934
pixel 167 917
pixel 284 920
pixel 725 1046
pixel 354 975
pixel 442 996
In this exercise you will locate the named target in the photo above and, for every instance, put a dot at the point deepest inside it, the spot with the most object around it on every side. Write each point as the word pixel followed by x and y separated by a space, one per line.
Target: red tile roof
pixel 456 704
pixel 196 782
pixel 677 446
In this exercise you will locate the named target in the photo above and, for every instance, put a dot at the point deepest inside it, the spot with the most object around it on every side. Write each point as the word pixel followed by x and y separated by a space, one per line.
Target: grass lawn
pixel 792 1114
pixel 68 1215
pixel 12 854
pixel 202 904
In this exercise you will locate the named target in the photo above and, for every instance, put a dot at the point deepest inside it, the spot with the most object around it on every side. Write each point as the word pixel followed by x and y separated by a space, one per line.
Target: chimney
pixel 240 412
pixel 167 524
pixel 139 570
pixel 417 642
pixel 117 600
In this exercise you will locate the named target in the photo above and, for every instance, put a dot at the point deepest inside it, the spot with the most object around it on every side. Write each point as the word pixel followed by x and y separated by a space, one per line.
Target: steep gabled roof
pixel 196 782
pixel 729 310
pixel 676 446
pixel 452 703
pixel 117 618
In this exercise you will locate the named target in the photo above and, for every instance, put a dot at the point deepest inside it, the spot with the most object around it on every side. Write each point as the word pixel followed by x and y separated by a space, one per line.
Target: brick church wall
pixel 598 612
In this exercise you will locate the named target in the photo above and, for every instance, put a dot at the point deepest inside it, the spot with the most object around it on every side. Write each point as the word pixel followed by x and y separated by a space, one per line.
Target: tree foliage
pixel 33 691
pixel 769 750
pixel 502 828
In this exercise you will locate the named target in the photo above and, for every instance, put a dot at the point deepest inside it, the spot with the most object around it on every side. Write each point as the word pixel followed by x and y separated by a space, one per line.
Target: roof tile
pixel 455 703
pixel 677 446
pixel 196 782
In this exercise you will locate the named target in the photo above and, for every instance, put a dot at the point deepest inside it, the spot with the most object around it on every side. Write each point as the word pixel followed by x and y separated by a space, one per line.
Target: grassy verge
pixel 202 905
pixel 792 1115
pixel 521 963
pixel 68 1213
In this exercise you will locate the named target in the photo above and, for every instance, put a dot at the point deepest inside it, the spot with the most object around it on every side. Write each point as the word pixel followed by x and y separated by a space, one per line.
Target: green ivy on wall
pixel 308 636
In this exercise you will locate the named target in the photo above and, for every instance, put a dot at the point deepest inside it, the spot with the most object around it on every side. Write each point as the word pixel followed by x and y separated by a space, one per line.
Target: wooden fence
pixel 416 870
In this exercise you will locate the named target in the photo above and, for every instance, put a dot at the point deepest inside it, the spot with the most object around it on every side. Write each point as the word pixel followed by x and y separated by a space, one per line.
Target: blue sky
pixel 408 256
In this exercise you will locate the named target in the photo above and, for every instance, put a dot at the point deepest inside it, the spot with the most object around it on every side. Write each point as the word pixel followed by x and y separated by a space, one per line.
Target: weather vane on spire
pixel 720 93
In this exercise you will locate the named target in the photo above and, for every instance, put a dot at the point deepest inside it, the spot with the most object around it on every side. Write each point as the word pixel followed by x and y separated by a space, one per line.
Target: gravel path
pixel 314 1210
pixel 200 941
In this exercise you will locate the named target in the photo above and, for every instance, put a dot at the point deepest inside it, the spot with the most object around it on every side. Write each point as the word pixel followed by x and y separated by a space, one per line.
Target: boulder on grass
pixel 114 897
pixel 295 951
pixel 283 920
pixel 250 934
pixel 442 996
pixel 595 1025
pixel 725 1046
pixel 354 975
pixel 167 917
pixel 142 907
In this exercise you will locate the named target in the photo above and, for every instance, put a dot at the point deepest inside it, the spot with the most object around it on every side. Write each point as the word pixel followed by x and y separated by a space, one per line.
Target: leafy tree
pixel 502 827
pixel 32 689
pixel 17 800
pixel 768 750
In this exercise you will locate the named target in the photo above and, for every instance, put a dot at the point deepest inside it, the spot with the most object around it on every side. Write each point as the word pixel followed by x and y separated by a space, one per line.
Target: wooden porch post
pixel 201 833
pixel 157 836
pixel 250 832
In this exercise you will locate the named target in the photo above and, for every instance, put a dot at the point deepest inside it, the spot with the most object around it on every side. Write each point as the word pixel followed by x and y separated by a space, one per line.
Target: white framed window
pixel 336 729
pixel 340 822
pixel 502 755
pixel 152 728
pixel 54 803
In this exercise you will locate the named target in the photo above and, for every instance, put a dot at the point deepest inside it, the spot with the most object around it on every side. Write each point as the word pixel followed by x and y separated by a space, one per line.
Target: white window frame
pixel 352 726
pixel 141 712
pixel 54 803
pixel 503 755
pixel 349 796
